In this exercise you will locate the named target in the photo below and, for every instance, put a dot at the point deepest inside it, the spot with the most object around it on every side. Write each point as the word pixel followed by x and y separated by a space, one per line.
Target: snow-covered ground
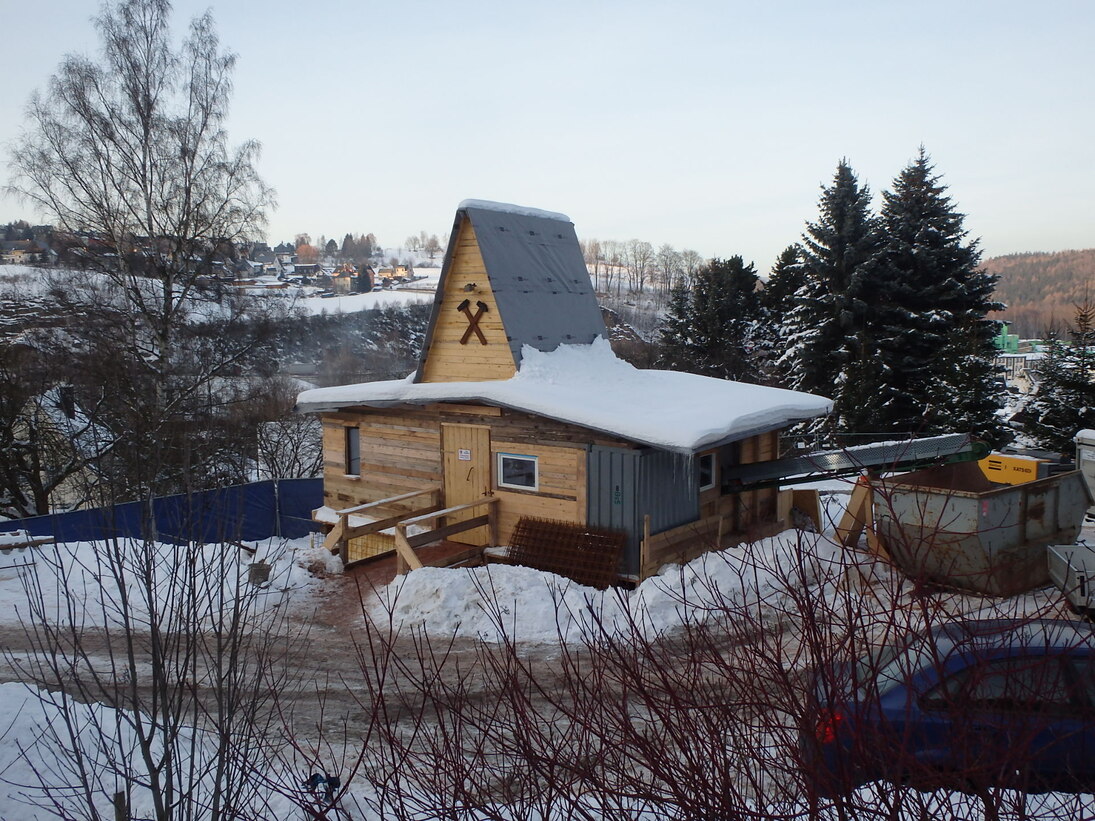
pixel 27 282
pixel 481 603
pixel 421 290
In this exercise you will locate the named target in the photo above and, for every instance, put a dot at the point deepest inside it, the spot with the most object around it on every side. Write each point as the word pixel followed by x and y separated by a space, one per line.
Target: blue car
pixel 966 706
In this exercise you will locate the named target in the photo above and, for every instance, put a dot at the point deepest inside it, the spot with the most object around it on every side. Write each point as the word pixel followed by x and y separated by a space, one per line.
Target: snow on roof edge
pixel 510 208
pixel 586 385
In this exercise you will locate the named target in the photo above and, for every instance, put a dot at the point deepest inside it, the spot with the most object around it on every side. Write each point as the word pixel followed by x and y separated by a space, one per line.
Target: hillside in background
pixel 1042 289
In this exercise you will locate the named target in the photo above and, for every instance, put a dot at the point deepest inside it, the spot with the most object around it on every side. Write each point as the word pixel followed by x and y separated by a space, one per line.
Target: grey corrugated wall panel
pixel 626 484
pixel 668 491
pixel 613 485
pixel 539 279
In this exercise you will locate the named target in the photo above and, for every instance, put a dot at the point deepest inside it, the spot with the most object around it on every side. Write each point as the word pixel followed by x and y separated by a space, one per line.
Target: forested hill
pixel 1042 289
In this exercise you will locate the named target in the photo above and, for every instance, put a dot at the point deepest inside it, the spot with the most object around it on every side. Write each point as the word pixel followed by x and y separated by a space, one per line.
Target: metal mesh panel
pixel 589 556
pixel 368 546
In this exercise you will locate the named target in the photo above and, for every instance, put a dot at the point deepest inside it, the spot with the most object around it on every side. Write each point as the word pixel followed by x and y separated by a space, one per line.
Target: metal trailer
pixel 951 525
pixel 1085 458
pixel 1072 568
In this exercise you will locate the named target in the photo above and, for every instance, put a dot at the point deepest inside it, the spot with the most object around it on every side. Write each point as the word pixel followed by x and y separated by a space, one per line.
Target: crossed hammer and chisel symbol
pixel 473 320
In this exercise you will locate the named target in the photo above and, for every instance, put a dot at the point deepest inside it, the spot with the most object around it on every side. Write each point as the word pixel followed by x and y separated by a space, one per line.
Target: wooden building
pixel 518 408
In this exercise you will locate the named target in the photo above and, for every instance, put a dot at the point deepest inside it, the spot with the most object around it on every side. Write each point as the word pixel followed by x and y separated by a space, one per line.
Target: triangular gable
pixel 511 277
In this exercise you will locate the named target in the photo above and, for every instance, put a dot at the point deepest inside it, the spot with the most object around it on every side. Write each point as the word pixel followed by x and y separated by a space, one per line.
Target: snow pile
pixel 587 385
pixel 75 579
pixel 531 606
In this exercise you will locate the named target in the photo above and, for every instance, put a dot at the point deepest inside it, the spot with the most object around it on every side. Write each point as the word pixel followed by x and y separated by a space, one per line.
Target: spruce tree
pixel 674 335
pixel 787 276
pixel 827 346
pixel 777 301
pixel 934 340
pixel 1064 399
pixel 711 327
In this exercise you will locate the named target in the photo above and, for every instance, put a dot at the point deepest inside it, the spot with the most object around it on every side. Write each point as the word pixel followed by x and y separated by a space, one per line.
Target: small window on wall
pixel 353 452
pixel 518 472
pixel 705 470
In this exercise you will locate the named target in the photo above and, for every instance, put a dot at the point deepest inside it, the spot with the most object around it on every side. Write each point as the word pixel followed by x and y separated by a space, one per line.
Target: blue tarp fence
pixel 277 507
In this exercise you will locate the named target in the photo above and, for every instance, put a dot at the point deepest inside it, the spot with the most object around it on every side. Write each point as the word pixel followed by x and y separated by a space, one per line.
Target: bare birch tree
pixel 129 155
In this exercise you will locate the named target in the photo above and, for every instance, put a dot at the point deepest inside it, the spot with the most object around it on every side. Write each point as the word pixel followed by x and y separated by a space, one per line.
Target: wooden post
pixel 492 514
pixel 808 501
pixel 644 547
pixel 855 517
pixel 404 551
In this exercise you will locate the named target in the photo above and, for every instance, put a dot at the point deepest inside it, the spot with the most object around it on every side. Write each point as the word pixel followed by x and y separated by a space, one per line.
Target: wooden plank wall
pixel 562 491
pixel 446 359
pixel 401 452
pixel 755 507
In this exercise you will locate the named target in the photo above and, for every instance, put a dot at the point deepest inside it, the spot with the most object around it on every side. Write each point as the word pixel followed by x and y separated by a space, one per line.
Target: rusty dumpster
pixel 953 526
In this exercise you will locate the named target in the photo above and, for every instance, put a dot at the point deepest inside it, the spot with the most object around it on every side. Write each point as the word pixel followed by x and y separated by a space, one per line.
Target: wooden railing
pixel 405 545
pixel 685 542
pixel 343 532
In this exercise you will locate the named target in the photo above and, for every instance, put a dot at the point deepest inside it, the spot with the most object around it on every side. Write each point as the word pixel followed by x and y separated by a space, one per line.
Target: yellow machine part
pixel 1010 470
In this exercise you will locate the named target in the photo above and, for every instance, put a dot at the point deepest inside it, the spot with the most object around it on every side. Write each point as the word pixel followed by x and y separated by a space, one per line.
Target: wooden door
pixel 465 456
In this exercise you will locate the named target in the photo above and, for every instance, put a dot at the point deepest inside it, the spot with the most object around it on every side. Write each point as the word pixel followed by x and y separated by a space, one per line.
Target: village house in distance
pixel 521 428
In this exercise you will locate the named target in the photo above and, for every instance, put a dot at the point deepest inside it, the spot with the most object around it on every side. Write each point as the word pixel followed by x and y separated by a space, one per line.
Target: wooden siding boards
pixel 446 358
pixel 401 451
pixel 529 273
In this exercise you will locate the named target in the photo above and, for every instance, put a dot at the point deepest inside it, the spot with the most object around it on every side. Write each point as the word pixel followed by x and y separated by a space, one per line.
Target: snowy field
pixel 24 282
pixel 421 290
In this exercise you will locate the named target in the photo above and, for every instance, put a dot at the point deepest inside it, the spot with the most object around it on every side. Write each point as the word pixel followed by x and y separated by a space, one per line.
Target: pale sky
pixel 705 125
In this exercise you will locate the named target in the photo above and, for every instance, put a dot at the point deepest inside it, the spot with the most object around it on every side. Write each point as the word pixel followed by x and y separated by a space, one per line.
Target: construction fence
pixel 259 510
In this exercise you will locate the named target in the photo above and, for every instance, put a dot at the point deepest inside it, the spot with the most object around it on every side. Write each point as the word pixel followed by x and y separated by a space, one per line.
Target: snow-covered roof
pixel 510 208
pixel 588 386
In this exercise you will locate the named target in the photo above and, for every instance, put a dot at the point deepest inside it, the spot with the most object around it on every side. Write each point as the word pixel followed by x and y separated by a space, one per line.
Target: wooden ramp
pixel 419 537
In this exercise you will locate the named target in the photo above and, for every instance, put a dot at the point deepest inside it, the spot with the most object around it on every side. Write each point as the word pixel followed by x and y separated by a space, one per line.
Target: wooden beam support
pixel 859 517
pixel 406 559
pixel 334 539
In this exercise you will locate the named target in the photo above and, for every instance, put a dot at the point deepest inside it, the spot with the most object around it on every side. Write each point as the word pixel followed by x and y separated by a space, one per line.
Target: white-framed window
pixel 518 471
pixel 353 451
pixel 705 471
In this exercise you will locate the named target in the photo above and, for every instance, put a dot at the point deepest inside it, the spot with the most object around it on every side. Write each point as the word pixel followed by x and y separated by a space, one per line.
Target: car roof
pixel 986 634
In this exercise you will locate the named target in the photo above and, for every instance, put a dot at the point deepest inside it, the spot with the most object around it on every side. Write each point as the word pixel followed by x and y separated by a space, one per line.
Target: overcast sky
pixel 705 125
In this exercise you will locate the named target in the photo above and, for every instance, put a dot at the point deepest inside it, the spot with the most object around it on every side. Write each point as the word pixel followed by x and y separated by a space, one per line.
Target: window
pixel 518 472
pixel 705 467
pixel 353 452
pixel 1027 684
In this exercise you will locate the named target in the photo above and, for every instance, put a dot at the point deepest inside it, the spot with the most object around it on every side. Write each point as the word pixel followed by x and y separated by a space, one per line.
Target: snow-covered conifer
pixel 711 325
pixel 930 315
pixel 824 330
